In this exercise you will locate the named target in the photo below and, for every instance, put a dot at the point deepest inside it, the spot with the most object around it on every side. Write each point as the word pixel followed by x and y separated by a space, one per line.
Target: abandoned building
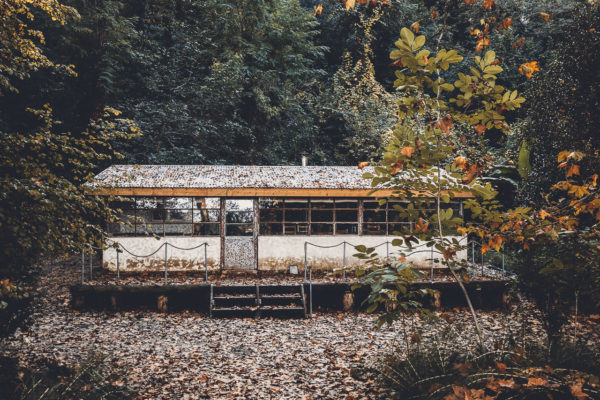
pixel 250 217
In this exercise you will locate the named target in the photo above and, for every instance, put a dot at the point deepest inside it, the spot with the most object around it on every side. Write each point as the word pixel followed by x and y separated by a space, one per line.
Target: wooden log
pixel 163 304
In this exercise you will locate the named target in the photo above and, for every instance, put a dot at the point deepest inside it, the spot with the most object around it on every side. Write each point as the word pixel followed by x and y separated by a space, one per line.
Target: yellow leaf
pixel 350 4
pixel 363 164
pixel 319 10
pixel 573 170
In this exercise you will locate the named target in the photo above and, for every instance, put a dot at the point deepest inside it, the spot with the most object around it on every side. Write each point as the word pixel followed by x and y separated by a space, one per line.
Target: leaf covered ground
pixel 188 355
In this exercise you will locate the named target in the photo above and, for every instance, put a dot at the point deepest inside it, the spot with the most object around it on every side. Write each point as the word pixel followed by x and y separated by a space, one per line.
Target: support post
pixel 473 252
pixel 344 264
pixel 91 257
pixel 82 266
pixel 205 264
pixel 387 251
pixel 503 269
pixel 305 259
pixel 166 245
pixel 118 272
pixel 310 294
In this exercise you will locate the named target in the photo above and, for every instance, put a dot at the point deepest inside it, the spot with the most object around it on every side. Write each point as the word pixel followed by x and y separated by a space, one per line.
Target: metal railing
pixel 119 248
pixel 407 253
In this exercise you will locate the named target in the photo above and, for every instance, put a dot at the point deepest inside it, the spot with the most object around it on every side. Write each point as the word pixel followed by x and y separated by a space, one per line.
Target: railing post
pixel 344 264
pixel 166 245
pixel 82 266
pixel 310 294
pixel 91 257
pixel 473 252
pixel 205 264
pixel 305 260
pixel 503 270
pixel 118 272
pixel 387 251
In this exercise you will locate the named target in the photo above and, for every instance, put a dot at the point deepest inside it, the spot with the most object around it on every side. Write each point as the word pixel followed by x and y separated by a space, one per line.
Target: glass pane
pixel 271 229
pixel 400 228
pixel 295 229
pixel 271 215
pixel 396 216
pixel 321 216
pixel 150 216
pixel 346 204
pixel 178 202
pixel 346 229
pixel 239 217
pixel 321 203
pixel 374 216
pixel 178 229
pixel 239 205
pixel 296 215
pixel 148 229
pixel 149 203
pixel 346 215
pixel 179 216
pixel 116 228
pixel 294 203
pixel 373 205
pixel 206 229
pixel 321 229
pixel 270 203
pixel 207 202
pixel 123 205
pixel 239 230
pixel 207 215
pixel 374 229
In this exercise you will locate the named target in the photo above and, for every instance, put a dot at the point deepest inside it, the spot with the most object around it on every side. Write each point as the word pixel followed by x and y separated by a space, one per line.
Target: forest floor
pixel 188 355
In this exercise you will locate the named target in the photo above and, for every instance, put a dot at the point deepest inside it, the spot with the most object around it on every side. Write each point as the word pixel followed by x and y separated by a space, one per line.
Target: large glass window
pixel 303 216
pixel 167 216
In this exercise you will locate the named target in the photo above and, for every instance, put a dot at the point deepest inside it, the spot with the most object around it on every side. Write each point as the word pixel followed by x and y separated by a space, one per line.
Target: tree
pixel 423 162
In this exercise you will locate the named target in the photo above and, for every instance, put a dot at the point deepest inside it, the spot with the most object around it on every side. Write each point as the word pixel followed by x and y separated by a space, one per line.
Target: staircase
pixel 257 301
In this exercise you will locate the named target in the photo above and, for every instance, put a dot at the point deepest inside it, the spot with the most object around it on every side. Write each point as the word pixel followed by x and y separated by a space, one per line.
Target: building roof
pixel 233 177
pixel 235 180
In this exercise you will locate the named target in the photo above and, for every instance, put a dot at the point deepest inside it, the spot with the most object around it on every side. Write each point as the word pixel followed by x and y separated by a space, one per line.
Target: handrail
pixel 430 249
pixel 118 246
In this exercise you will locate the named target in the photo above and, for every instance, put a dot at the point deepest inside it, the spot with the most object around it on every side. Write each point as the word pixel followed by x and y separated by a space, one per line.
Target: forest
pixel 504 95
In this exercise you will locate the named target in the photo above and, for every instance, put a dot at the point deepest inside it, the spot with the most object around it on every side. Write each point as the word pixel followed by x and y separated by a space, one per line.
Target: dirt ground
pixel 190 356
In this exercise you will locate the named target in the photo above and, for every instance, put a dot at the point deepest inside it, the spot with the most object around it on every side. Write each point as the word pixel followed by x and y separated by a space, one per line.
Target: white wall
pixel 277 253
pixel 178 260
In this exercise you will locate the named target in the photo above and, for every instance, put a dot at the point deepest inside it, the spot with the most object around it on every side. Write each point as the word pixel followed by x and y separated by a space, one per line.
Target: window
pixel 167 216
pixel 239 217
pixel 207 216
pixel 303 216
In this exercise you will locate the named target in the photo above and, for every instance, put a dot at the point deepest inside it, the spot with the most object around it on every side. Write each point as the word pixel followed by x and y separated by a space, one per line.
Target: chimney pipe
pixel 304 160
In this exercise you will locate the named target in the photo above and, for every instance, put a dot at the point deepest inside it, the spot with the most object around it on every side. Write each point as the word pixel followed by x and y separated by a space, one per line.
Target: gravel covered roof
pixel 233 176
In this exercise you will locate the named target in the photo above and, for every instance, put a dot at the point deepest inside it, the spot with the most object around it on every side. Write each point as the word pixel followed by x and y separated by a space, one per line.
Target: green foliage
pixel 390 285
pixel 90 379
pixel 515 369
pixel 565 99
pixel 561 277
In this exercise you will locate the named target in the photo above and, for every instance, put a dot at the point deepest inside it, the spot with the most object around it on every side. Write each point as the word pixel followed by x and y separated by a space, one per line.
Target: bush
pixel 91 379
pixel 512 370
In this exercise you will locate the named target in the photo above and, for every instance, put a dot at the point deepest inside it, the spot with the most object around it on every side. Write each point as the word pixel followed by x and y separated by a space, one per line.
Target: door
pixel 240 235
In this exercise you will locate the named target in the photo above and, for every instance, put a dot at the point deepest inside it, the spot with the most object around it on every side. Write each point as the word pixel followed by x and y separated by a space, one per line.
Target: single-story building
pixel 251 217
